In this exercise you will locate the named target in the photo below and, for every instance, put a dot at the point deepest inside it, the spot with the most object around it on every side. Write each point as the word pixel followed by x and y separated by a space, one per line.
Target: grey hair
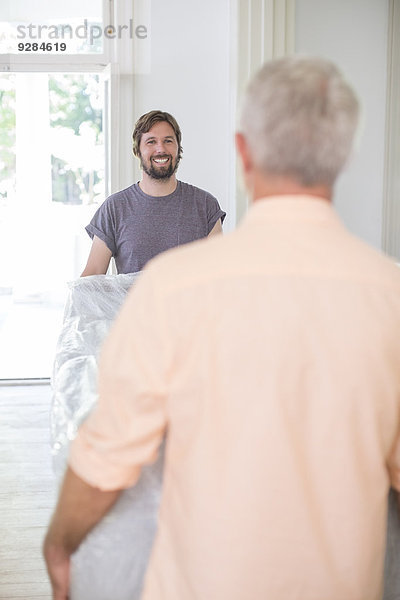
pixel 299 117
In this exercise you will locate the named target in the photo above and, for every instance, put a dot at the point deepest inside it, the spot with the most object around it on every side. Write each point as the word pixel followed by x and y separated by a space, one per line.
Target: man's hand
pixel 58 568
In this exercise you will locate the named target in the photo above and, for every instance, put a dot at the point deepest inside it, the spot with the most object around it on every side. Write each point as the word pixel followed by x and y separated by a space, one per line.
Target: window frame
pixel 265 30
pixel 56 62
pixel 391 183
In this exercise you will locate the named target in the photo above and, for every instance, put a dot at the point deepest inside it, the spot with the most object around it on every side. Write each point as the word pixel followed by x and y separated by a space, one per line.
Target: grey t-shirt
pixel 136 227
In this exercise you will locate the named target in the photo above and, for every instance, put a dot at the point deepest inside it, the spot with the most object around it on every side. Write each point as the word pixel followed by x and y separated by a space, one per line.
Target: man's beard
pixel 160 172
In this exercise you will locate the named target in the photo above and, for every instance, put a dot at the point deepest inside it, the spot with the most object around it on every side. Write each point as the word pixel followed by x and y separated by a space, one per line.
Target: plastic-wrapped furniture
pixel 111 562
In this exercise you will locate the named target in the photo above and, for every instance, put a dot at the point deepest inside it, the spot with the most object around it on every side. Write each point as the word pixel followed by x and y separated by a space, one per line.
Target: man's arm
pixel 216 229
pixel 80 507
pixel 99 258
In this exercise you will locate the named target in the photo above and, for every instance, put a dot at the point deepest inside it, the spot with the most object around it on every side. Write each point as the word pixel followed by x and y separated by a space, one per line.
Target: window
pixel 54 116
pixel 53 161
pixel 50 25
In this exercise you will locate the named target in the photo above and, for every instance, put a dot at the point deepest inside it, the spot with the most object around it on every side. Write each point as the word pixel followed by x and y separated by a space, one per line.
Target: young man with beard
pixel 155 214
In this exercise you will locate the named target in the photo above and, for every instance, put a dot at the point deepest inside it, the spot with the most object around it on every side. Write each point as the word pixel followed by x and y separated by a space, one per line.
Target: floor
pixel 27 490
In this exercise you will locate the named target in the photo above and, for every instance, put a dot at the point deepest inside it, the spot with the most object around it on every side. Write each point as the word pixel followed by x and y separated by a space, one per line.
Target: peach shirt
pixel 271 356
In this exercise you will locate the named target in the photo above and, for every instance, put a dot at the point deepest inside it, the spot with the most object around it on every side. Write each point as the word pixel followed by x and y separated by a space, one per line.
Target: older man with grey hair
pixel 270 360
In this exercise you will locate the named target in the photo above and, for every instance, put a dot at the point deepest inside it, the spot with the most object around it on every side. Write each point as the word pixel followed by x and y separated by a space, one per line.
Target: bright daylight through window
pixel 52 164
pixel 52 161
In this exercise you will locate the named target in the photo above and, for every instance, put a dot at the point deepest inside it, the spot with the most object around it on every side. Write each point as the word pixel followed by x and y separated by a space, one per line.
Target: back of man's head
pixel 299 118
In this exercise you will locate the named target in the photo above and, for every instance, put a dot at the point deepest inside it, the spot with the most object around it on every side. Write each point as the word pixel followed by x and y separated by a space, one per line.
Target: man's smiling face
pixel 159 151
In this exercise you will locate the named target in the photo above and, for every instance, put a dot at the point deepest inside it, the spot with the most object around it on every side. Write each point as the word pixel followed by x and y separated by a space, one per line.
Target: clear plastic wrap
pixel 111 562
pixel 91 307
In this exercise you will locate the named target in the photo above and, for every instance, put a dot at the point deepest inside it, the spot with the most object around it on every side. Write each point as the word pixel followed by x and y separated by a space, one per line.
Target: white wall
pixel 192 73
pixel 353 33
pixel 190 78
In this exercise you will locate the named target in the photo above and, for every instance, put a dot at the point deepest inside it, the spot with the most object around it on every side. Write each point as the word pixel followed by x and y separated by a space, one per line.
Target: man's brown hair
pixel 147 121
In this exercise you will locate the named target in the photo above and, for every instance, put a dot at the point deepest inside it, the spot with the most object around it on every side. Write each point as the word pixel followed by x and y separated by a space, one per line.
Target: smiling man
pixel 155 214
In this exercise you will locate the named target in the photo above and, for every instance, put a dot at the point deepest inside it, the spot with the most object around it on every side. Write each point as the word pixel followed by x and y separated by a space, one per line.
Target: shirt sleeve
pixel 103 226
pixel 126 429
pixel 214 212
